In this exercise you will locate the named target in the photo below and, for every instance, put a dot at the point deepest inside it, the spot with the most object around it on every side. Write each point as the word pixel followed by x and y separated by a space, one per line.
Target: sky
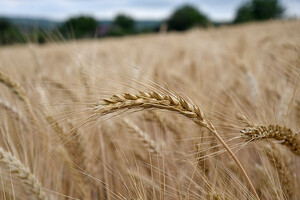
pixel 218 10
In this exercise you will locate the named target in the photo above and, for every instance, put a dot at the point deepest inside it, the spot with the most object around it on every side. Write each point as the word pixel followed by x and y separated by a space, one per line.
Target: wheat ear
pixel 282 164
pixel 73 144
pixel 283 134
pixel 15 87
pixel 13 110
pixel 155 117
pixel 151 100
pixel 27 178
pixel 71 140
pixel 150 144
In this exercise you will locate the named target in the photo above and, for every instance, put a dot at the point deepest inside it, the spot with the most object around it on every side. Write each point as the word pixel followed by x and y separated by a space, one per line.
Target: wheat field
pixel 157 116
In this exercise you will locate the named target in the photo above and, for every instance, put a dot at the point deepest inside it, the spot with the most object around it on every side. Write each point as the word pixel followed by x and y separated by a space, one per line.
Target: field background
pixel 235 74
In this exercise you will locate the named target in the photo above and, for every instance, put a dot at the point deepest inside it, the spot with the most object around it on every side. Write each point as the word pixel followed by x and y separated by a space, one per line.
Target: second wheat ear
pixel 155 100
pixel 283 134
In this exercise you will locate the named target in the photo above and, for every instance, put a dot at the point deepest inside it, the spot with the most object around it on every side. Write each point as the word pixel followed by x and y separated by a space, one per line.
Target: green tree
pixel 186 17
pixel 124 22
pixel 9 34
pixel 244 13
pixel 123 25
pixel 258 10
pixel 38 36
pixel 79 27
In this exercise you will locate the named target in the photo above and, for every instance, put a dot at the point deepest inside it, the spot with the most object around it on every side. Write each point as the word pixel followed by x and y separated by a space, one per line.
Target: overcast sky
pixel 221 10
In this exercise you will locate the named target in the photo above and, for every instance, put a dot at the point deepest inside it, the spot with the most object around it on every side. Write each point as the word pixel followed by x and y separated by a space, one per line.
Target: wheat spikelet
pixel 283 134
pixel 150 144
pixel 26 177
pixel 150 100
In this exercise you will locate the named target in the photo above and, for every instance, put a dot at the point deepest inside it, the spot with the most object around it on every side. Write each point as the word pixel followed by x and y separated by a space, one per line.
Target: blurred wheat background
pixel 245 79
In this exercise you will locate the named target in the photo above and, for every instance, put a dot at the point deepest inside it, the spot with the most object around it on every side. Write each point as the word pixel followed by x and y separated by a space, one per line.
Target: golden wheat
pixel 80 149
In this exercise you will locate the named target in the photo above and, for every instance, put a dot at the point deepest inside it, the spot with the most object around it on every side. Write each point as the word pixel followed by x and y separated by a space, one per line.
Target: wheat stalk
pixel 285 135
pixel 23 173
pixel 151 100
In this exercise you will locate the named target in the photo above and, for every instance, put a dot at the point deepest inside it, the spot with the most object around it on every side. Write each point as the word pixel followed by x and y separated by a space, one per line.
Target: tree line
pixel 183 18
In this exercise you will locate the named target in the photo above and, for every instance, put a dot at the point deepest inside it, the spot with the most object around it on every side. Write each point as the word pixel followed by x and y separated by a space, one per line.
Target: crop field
pixel 207 114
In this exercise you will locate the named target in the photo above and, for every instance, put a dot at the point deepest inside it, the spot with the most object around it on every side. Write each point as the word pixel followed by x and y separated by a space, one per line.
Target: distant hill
pixel 139 25
pixel 27 24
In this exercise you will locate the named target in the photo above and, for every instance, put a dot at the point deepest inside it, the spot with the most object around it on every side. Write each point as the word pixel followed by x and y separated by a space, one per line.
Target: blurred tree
pixel 124 22
pixel 267 9
pixel 258 10
pixel 122 25
pixel 38 36
pixel 9 34
pixel 79 27
pixel 186 17
pixel 244 13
